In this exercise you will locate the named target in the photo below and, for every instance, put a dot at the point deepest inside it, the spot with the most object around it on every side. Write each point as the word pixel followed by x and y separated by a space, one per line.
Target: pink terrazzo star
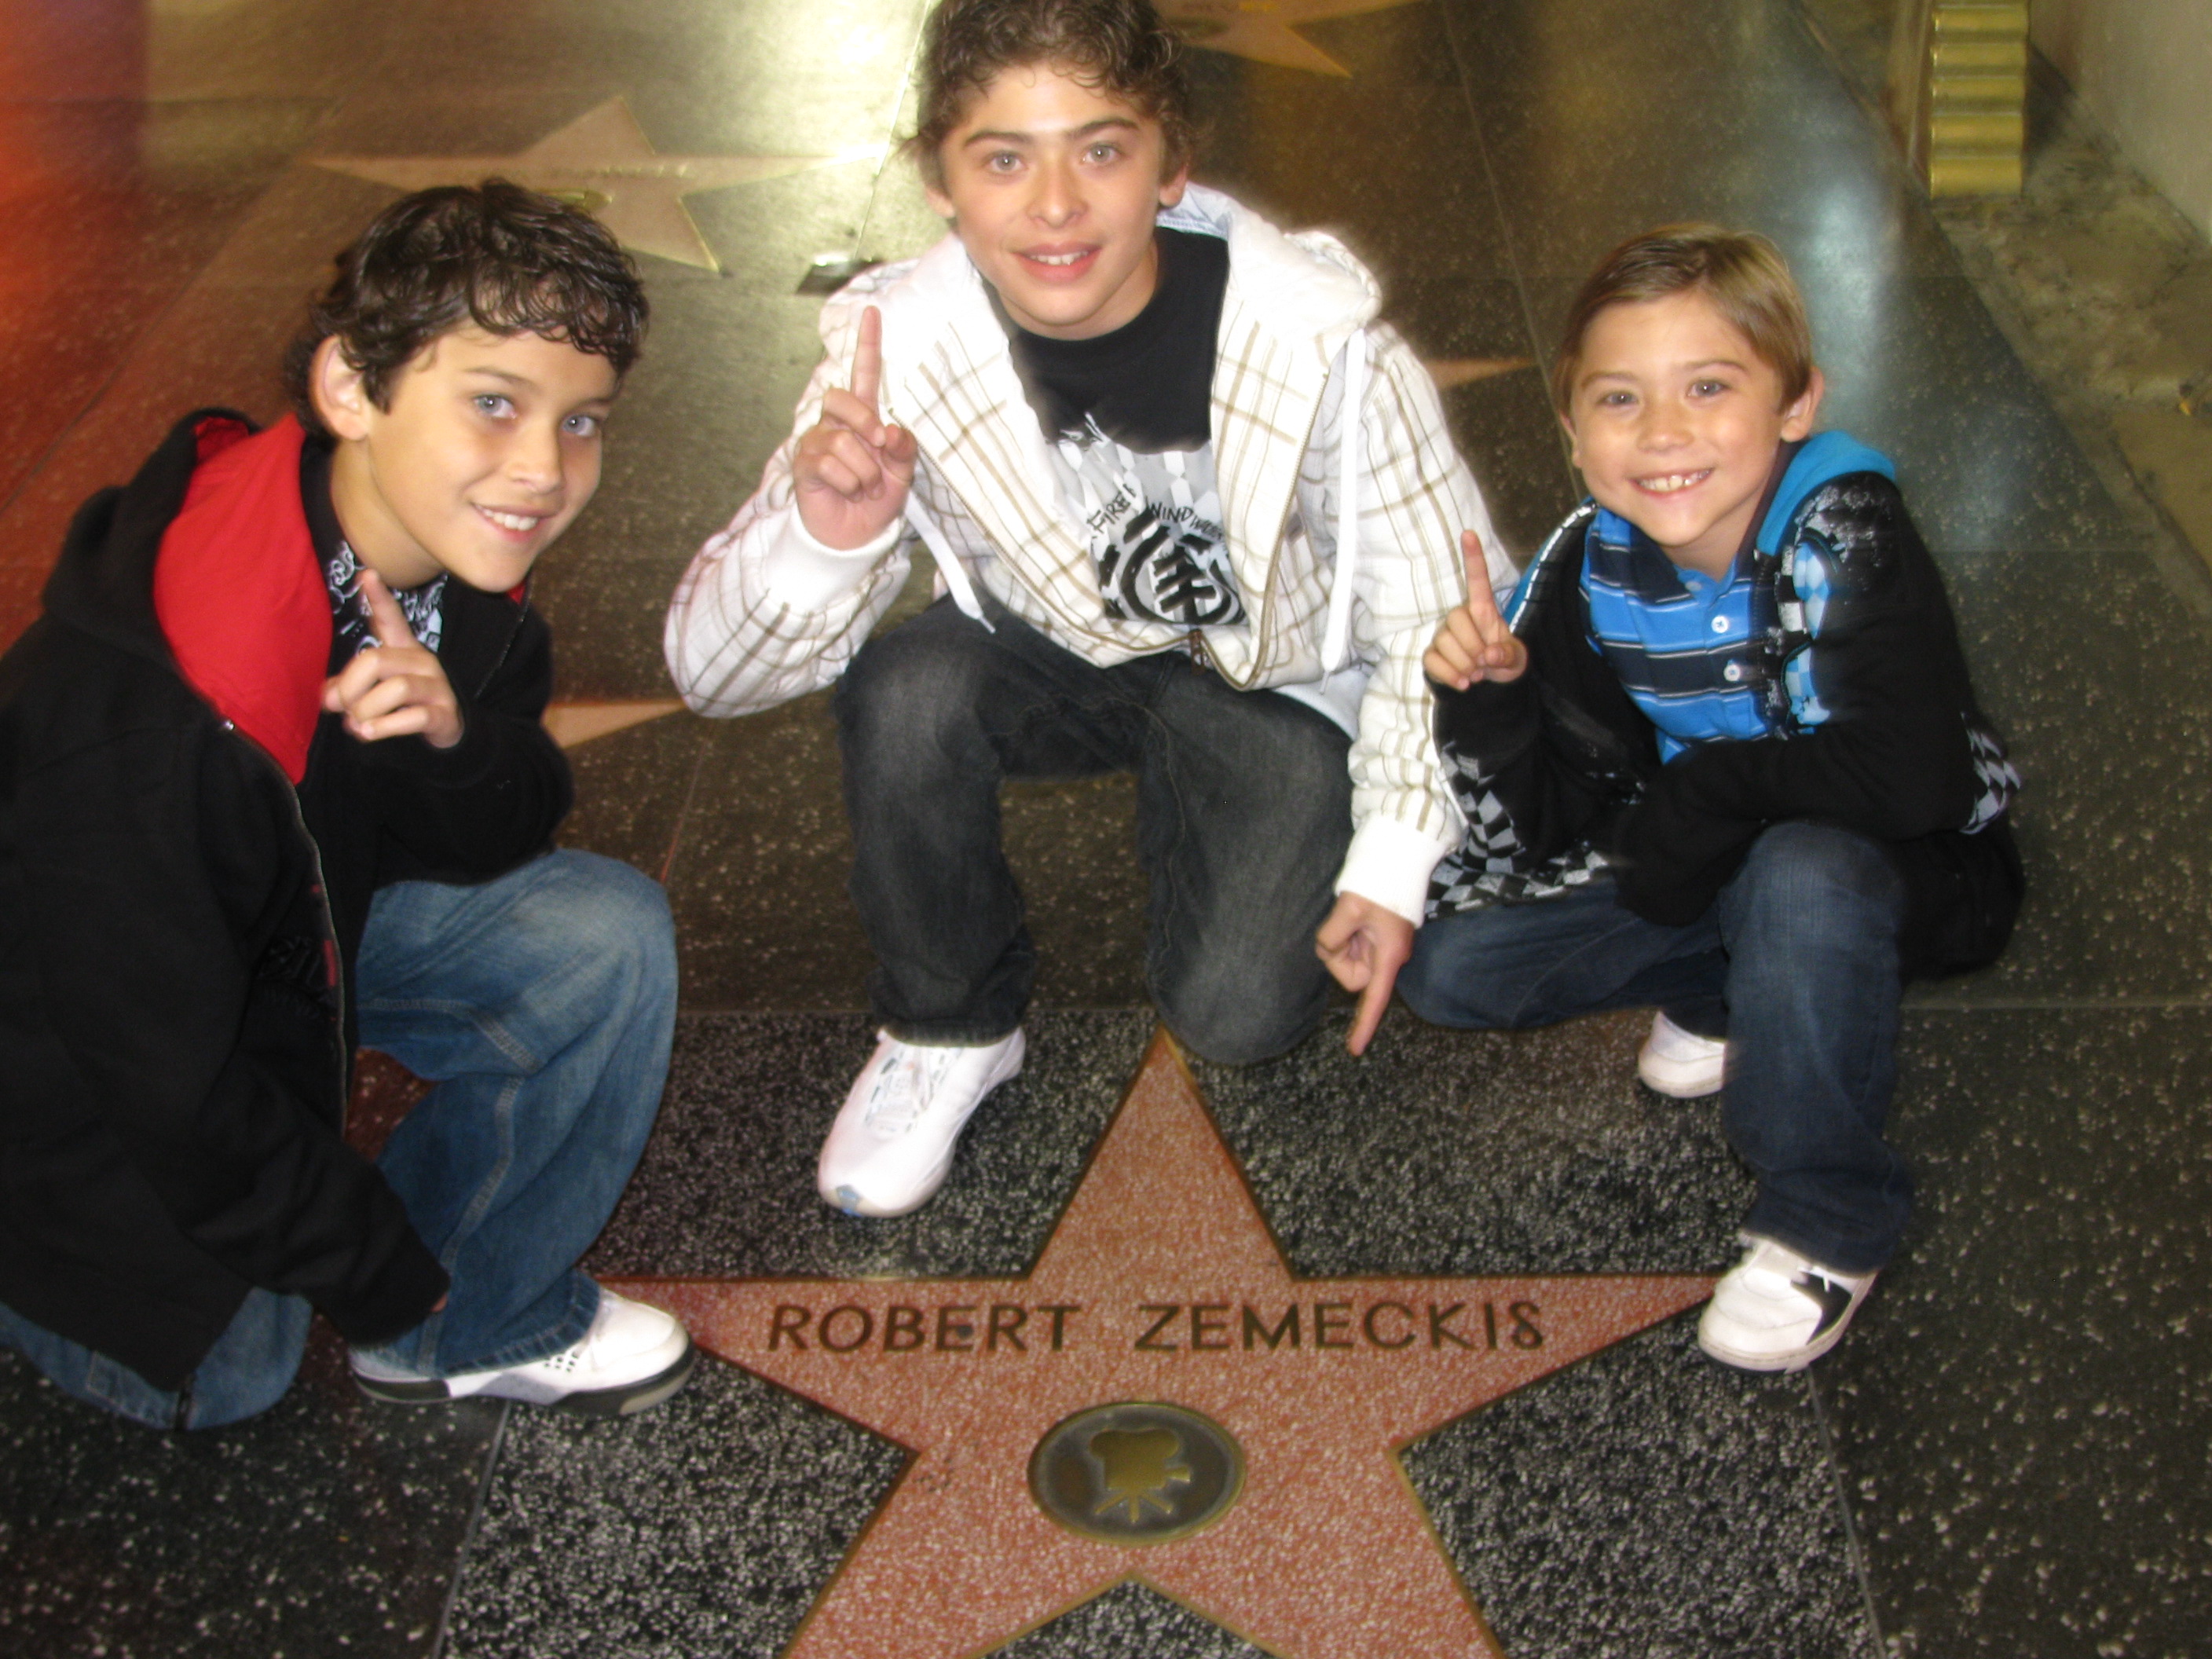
pixel 1161 1283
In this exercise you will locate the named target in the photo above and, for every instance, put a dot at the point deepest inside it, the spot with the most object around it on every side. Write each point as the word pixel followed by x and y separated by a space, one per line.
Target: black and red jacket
pixel 188 848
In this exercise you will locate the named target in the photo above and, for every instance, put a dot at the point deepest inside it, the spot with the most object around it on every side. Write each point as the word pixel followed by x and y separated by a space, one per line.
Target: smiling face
pixel 489 448
pixel 1053 187
pixel 1675 420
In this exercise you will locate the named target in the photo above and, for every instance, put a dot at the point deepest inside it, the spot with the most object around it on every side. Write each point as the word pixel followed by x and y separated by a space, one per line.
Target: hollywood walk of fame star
pixel 1449 372
pixel 603 161
pixel 1161 1284
pixel 578 721
pixel 1265 30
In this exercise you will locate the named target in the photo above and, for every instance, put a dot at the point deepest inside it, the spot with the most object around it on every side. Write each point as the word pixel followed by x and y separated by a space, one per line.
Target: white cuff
pixel 1389 864
pixel 807 575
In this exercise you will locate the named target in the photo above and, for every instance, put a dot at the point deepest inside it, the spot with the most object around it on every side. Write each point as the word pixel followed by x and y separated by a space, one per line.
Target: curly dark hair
pixel 1118 47
pixel 507 259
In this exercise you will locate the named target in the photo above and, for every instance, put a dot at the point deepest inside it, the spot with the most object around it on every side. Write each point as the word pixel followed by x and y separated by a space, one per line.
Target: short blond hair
pixel 1741 272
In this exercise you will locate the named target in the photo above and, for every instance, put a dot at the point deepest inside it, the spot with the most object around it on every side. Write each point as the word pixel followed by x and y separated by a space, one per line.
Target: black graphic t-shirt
pixel 1129 417
pixel 352 629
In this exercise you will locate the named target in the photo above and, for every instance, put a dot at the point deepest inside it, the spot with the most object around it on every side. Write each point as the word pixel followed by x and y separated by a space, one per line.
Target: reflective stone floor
pixel 2009 1456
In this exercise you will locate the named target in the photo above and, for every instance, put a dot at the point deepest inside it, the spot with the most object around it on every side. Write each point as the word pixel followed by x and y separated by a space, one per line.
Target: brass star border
pixel 1161 1283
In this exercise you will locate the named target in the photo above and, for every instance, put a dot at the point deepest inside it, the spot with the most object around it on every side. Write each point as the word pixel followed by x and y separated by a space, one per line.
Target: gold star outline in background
pixel 1265 30
pixel 602 162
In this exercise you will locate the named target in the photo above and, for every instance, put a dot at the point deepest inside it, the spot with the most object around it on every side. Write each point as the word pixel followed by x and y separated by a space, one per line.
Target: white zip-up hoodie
pixel 1338 620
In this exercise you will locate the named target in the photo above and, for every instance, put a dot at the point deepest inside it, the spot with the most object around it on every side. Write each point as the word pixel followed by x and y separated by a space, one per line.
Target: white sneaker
pixel 1681 1063
pixel 1776 1311
pixel 892 1143
pixel 633 1357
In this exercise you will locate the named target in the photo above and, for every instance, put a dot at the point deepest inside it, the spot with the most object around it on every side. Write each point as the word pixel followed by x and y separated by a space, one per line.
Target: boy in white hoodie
pixel 1112 405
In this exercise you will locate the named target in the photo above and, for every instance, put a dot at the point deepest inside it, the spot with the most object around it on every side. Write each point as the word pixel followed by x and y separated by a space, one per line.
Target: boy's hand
pixel 851 471
pixel 1474 643
pixel 399 687
pixel 1364 945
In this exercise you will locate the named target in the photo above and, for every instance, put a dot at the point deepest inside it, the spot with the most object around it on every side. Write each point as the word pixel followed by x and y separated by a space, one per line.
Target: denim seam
pixel 499 1035
pixel 563 1332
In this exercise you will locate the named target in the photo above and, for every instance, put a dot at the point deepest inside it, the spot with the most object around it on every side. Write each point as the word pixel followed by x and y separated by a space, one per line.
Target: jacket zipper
pixel 340 1058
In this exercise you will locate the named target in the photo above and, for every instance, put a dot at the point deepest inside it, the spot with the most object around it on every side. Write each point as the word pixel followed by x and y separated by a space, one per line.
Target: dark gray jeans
pixel 1243 813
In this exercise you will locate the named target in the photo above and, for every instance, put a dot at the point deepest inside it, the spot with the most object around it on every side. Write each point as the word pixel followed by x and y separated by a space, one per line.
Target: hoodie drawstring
pixel 1336 637
pixel 956 579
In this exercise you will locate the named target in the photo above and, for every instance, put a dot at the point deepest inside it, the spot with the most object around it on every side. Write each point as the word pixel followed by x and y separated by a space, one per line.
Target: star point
pixel 1265 30
pixel 1451 372
pixel 603 163
pixel 1160 1286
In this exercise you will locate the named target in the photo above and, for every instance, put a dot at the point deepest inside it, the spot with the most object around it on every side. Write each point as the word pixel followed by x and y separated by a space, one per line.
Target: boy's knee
pixel 909 691
pixel 603 912
pixel 1223 1012
pixel 1796 859
pixel 1443 991
pixel 1804 879
pixel 1422 990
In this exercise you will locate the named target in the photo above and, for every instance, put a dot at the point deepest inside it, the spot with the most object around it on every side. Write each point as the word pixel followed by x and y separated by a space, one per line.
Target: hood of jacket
pixel 203 563
pixel 1822 458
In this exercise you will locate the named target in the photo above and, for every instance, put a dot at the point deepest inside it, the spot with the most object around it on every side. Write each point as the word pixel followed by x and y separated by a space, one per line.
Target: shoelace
pixel 903 1090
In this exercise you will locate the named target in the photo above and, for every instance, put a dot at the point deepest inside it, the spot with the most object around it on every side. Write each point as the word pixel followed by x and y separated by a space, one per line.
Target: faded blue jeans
pixel 541 1005
pixel 1796 963
pixel 1243 813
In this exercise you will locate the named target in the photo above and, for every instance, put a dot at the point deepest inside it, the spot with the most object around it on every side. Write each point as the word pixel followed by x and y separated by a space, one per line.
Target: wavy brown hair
pixel 1120 48
pixel 1741 272
pixel 507 259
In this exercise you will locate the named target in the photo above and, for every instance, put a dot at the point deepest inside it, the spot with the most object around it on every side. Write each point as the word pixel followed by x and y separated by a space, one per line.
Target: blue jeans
pixel 541 1005
pixel 1243 813
pixel 1795 962
pixel 243 1375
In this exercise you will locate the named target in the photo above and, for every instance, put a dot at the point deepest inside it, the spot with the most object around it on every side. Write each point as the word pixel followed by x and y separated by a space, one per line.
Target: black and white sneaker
pixel 633 1357
pixel 1776 1311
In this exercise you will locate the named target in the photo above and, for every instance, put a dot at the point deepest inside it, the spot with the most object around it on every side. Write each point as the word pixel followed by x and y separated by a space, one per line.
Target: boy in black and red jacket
pixel 1721 756
pixel 272 778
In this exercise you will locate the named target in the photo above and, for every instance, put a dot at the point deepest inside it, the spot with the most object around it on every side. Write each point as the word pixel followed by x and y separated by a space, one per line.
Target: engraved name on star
pixel 1160 1286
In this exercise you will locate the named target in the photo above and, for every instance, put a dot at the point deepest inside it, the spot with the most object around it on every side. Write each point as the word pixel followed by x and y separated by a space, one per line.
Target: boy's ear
pixel 1171 187
pixel 1797 419
pixel 336 387
pixel 1574 443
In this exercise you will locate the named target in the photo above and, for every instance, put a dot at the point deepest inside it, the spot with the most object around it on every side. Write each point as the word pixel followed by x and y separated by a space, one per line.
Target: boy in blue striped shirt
pixel 1722 757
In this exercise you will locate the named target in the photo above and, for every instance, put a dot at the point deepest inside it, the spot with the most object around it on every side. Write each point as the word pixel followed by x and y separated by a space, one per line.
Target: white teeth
pixel 1055 258
pixel 1673 482
pixel 508 520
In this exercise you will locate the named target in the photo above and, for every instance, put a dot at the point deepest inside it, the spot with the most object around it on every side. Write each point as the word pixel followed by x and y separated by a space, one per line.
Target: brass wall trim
pixel 1958 93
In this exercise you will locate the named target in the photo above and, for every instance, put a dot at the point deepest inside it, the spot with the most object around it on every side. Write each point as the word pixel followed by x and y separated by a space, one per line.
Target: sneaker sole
pixel 1676 1087
pixel 1795 1359
pixel 622 1401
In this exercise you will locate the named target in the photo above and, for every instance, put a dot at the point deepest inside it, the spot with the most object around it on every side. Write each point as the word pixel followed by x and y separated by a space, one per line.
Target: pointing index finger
pixel 1480 599
pixel 386 619
pixel 868 358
